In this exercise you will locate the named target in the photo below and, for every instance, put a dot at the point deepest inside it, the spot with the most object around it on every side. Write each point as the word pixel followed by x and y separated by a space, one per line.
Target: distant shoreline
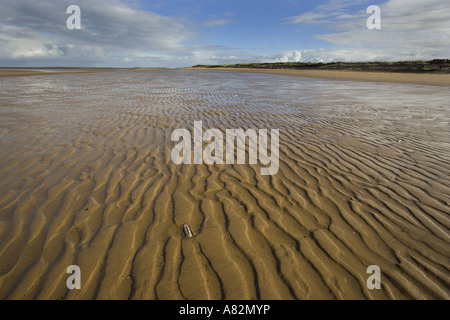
pixel 413 78
pixel 17 72
pixel 343 72
pixel 21 71
pixel 434 72
pixel 437 66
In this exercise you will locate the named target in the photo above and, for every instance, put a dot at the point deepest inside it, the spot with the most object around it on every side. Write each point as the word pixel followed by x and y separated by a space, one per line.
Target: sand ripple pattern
pixel 86 178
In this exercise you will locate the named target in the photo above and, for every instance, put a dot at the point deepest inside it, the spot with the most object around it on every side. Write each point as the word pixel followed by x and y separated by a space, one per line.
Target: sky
pixel 181 33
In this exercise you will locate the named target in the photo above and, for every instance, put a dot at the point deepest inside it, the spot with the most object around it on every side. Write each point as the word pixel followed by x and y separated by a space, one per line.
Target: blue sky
pixel 245 24
pixel 178 33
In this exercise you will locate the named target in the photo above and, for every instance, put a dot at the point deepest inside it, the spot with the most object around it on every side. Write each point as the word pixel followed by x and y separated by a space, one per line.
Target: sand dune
pixel 87 179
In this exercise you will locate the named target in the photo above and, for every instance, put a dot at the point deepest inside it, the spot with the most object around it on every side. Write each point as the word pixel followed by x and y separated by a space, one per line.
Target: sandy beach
pixel 87 179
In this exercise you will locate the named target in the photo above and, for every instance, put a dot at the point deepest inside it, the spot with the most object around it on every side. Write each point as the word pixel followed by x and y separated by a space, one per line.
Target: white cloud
pixel 308 18
pixel 329 12
pixel 217 23
pixel 37 30
pixel 411 29
pixel 285 56
pixel 24 43
pixel 219 57
pixel 325 56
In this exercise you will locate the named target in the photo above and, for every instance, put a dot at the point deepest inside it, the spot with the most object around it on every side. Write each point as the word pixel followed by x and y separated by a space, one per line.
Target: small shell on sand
pixel 187 231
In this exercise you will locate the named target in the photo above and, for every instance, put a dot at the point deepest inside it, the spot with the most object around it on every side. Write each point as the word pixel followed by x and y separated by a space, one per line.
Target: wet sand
pixel 86 179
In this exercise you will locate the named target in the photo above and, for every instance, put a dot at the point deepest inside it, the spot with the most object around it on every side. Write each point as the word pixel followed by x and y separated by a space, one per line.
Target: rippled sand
pixel 86 179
